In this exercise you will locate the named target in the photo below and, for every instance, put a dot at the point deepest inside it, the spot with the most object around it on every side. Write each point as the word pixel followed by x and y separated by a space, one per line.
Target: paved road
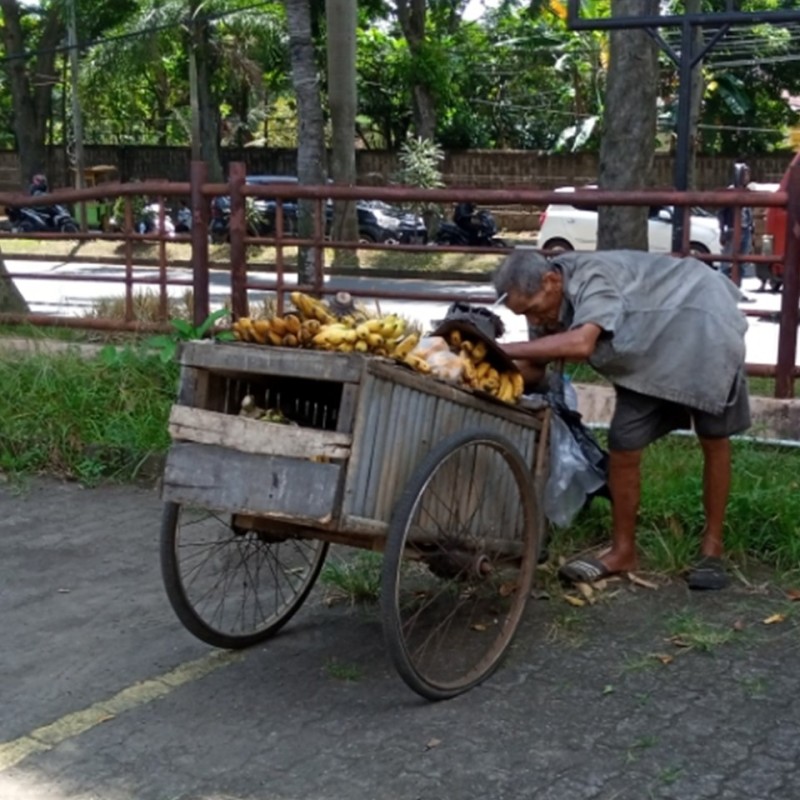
pixel 68 297
pixel 106 697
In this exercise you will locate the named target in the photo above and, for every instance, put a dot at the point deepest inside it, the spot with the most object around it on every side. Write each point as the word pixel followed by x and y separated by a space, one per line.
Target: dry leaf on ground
pixel 634 578
pixel 663 658
pixel 738 625
pixel 775 618
pixel 478 627
pixel 574 601
pixel 433 743
pixel 793 594
pixel 586 590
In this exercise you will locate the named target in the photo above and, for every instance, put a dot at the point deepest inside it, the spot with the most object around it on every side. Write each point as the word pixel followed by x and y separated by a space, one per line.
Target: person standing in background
pixel 727 222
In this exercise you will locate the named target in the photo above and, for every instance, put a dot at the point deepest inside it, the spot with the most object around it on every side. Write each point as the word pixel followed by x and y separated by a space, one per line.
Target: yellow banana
pixel 455 339
pixel 374 325
pixel 478 352
pixel 375 340
pixel 406 345
pixel 417 363
pixel 246 329
pixel 290 340
pixel 292 322
pixel 470 373
pixel 304 336
pixel 361 346
pixel 363 331
pixel 275 338
pixel 505 390
pixel 313 326
pixel 261 329
pixel 278 325
pixel 299 301
pixel 482 370
pixel 518 384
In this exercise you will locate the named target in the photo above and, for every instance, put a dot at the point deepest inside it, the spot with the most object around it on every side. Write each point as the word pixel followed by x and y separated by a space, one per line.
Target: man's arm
pixel 574 345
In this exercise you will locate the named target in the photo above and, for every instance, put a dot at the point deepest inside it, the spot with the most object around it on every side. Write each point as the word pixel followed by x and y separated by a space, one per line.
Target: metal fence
pixel 195 274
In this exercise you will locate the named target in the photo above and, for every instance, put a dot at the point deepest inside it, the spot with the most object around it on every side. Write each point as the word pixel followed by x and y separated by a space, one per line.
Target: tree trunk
pixel 11 300
pixel 31 88
pixel 205 111
pixel 341 21
pixel 412 17
pixel 629 127
pixel 698 85
pixel 310 129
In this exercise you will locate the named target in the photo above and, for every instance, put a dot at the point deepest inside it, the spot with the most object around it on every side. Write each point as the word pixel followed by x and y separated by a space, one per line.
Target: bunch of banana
pixel 479 372
pixel 309 307
pixel 286 331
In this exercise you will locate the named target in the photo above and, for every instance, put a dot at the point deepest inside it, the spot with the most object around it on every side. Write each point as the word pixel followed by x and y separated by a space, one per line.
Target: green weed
pixel 687 630
pixel 83 418
pixel 341 671
pixel 355 578
pixel 761 520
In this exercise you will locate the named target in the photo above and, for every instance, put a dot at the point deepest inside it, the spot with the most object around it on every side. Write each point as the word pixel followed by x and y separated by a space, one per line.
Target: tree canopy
pixel 515 78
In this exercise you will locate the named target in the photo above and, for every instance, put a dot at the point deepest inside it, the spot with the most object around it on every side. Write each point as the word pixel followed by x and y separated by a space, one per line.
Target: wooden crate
pixel 365 425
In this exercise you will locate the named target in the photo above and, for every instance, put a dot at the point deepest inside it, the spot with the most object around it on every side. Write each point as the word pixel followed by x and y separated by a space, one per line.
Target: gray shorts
pixel 640 419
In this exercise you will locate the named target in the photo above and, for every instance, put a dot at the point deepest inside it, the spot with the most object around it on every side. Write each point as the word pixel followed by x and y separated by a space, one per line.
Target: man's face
pixel 541 308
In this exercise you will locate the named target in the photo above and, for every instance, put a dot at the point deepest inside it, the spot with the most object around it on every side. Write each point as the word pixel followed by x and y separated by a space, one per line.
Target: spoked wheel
pixel 233 586
pixel 460 555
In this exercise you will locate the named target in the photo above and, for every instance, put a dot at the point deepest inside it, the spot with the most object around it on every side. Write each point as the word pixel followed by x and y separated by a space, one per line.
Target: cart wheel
pixel 233 587
pixel 459 562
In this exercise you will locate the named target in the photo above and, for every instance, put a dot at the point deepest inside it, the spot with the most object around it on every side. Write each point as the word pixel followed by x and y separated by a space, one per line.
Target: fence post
pixel 200 275
pixel 238 230
pixel 787 336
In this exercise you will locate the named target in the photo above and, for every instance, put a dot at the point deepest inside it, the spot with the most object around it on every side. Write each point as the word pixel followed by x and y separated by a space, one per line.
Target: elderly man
pixel 667 333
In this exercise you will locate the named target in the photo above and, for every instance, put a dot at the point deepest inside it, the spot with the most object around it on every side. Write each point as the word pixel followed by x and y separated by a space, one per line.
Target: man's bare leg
pixel 624 483
pixel 716 488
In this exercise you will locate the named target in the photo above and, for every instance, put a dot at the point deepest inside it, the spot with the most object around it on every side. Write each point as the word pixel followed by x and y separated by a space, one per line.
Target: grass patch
pixel 761 523
pixel 689 631
pixel 87 419
pixel 341 671
pixel 355 578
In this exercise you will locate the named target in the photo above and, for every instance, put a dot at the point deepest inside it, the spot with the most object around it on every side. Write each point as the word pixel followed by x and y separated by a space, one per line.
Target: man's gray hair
pixel 521 271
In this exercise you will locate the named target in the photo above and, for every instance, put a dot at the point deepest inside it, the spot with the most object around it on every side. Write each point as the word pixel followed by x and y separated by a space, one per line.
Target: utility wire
pixel 101 40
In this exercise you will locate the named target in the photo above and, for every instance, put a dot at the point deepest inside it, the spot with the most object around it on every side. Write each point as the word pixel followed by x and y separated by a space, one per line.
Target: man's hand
pixel 575 345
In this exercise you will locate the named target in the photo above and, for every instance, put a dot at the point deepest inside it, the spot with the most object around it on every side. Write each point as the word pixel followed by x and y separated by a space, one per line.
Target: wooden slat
pixel 226 480
pixel 254 436
pixel 287 362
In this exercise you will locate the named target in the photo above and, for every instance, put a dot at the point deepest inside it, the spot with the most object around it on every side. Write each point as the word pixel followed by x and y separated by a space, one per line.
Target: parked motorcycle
pixel 41 219
pixel 470 228
pixel 148 220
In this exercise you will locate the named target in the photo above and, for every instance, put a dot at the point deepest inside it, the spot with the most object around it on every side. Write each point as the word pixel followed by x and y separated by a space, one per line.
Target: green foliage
pixel 357 578
pixel 84 418
pixel 166 345
pixel 761 521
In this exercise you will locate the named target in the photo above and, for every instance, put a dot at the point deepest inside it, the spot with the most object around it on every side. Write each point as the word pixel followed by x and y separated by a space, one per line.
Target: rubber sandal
pixel 708 574
pixel 585 570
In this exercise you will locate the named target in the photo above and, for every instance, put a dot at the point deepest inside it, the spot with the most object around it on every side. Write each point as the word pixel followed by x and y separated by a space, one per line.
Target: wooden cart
pixel 445 482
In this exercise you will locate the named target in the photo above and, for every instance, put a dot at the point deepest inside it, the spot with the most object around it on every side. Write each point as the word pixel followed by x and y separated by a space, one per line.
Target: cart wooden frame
pixel 446 482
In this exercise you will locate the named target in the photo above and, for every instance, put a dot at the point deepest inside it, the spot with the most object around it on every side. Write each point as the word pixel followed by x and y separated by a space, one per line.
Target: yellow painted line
pixel 48 736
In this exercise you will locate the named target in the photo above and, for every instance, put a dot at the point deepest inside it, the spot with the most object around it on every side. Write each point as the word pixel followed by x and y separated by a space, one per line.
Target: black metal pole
pixel 683 144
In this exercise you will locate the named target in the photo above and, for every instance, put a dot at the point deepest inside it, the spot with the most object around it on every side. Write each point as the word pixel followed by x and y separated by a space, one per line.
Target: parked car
pixel 377 221
pixel 570 227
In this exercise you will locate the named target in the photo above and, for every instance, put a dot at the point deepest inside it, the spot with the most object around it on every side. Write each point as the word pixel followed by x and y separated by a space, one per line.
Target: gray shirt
pixel 671 327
